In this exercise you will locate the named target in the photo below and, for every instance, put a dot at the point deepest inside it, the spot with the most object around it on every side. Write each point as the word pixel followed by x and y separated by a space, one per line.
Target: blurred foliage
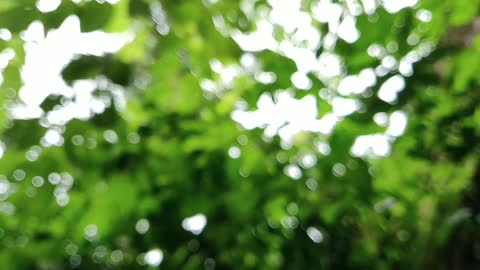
pixel 164 156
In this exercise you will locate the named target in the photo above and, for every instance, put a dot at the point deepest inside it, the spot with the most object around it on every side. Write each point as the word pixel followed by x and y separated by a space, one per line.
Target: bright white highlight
pixel 348 30
pixel 301 81
pixel 57 49
pixel 315 234
pixel 48 5
pixel 398 123
pixel 327 12
pixel 286 117
pixel 293 171
pixel 381 118
pixel 234 152
pixel 195 224
pixel 369 6
pixel 424 15
pixel 390 88
pixel 259 40
pixel 344 106
pixel 376 145
pixel 394 6
pixel 142 226
pixel 3 147
pixel 153 257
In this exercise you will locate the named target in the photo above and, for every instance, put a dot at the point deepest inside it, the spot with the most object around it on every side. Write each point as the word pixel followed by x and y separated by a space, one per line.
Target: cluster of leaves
pixel 165 156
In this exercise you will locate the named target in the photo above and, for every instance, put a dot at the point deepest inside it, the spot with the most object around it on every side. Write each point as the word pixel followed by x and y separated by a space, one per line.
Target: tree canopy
pixel 250 134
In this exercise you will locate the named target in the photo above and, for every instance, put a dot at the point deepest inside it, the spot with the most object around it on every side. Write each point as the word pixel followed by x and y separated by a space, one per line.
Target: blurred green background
pixel 249 134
